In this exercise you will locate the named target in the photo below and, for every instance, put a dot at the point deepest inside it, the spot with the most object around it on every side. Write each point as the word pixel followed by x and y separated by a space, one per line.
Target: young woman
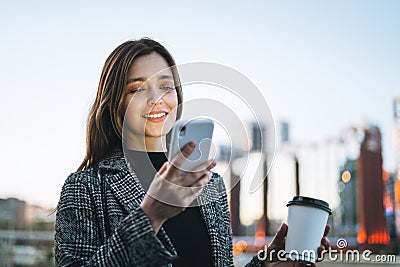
pixel 111 211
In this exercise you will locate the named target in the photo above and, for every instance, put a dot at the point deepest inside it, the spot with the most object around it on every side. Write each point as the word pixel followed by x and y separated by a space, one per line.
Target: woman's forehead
pixel 149 65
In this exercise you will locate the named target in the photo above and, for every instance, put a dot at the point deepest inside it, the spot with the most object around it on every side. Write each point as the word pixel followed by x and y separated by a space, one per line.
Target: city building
pixel 389 202
pixel 16 214
pixel 397 204
pixel 35 214
pixel 371 213
pixel 396 117
pixel 396 135
pixel 246 184
pixel 312 170
pixel 348 199
pixel 12 214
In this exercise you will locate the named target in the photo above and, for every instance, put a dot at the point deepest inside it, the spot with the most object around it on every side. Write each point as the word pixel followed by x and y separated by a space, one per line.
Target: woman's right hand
pixel 171 191
pixel 278 245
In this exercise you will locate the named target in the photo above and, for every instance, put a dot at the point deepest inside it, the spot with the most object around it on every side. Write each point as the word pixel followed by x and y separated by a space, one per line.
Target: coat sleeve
pixel 255 262
pixel 78 237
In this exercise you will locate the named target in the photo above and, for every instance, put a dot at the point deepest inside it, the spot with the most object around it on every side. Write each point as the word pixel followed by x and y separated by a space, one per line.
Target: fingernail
pixel 192 144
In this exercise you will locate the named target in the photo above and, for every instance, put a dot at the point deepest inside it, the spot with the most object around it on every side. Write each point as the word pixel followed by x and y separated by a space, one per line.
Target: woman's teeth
pixel 158 115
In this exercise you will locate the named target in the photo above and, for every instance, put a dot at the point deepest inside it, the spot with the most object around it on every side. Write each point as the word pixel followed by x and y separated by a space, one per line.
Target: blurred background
pixel 329 71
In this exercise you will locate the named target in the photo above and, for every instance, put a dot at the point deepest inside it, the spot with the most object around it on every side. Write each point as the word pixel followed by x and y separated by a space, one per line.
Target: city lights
pixel 346 176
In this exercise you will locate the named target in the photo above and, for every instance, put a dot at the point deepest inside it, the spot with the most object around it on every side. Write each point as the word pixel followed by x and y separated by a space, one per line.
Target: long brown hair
pixel 105 121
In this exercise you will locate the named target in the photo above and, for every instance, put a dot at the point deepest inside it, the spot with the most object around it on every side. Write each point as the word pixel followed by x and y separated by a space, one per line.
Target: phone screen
pixel 199 131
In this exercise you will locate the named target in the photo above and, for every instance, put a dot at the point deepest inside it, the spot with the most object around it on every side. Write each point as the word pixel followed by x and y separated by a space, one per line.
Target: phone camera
pixel 182 131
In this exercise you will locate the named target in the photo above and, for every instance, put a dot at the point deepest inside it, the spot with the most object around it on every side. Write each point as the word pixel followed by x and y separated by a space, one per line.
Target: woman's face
pixel 151 100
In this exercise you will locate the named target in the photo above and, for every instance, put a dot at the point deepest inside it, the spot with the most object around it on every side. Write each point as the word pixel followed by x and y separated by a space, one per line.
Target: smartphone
pixel 199 131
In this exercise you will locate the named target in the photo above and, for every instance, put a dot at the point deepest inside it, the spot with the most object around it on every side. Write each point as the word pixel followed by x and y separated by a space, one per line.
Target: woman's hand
pixel 278 244
pixel 171 191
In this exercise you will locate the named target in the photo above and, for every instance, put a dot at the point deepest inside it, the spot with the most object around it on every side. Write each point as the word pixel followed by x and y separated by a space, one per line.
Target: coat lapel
pixel 123 182
pixel 209 209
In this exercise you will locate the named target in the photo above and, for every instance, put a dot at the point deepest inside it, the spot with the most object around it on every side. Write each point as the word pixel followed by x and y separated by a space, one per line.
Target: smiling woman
pixel 110 212
pixel 104 127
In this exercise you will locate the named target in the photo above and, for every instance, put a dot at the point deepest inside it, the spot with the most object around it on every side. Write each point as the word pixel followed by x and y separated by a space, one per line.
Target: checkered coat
pixel 99 221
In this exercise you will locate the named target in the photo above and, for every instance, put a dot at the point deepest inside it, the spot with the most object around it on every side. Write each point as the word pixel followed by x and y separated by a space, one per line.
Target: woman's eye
pixel 168 88
pixel 137 90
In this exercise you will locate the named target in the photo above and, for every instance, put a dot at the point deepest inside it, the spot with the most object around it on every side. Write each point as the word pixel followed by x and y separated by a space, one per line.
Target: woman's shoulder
pixel 82 177
pixel 111 164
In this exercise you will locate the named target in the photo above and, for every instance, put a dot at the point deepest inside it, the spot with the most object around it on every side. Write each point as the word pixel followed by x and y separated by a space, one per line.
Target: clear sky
pixel 321 65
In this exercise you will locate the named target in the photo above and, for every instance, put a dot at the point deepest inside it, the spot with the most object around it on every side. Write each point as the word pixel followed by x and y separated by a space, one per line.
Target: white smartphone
pixel 199 131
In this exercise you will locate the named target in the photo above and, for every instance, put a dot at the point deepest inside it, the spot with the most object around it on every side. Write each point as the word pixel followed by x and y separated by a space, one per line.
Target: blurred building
pixel 282 133
pixel 311 170
pixel 389 202
pixel 397 204
pixel 247 170
pixel 226 155
pixel 35 213
pixel 257 132
pixel 367 193
pixel 344 213
pixel 396 117
pixel 305 169
pixel 12 214
pixel 16 214
pixel 371 213
pixel 348 199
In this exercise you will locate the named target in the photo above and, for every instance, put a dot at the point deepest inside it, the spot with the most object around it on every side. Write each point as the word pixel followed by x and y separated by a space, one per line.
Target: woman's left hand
pixel 172 191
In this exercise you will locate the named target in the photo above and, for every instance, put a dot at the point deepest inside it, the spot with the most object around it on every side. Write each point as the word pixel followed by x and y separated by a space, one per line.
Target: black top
pixel 187 230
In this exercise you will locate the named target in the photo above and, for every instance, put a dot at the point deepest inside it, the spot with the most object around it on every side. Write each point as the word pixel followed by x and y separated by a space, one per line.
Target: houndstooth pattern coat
pixel 99 221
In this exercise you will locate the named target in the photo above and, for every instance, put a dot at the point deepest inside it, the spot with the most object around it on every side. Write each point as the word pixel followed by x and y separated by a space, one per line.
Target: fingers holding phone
pixel 189 151
pixel 198 135
pixel 182 156
pixel 173 172
pixel 181 180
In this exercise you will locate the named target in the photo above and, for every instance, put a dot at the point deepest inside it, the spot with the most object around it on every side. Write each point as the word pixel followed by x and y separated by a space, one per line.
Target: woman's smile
pixel 156 116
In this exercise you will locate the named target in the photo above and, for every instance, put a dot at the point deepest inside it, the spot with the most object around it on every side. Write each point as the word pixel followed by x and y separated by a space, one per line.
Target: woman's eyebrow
pixel 142 79
pixel 132 80
pixel 165 77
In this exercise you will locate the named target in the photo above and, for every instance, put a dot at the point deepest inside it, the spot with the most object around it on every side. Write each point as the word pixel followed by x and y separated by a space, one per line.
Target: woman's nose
pixel 155 97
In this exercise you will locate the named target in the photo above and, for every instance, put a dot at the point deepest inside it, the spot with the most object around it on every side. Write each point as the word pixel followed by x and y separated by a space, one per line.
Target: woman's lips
pixel 156 116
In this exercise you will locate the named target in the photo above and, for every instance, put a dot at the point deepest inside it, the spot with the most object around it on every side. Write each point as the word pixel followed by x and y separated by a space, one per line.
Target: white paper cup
pixel 307 218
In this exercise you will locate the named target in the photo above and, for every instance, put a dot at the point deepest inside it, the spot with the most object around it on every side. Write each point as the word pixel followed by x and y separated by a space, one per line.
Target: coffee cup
pixel 307 218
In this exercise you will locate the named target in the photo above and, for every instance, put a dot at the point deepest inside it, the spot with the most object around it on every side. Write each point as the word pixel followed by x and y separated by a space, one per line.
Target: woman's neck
pixel 146 143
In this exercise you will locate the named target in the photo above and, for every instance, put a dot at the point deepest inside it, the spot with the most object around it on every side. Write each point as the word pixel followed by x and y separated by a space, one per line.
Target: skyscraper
pixel 371 214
